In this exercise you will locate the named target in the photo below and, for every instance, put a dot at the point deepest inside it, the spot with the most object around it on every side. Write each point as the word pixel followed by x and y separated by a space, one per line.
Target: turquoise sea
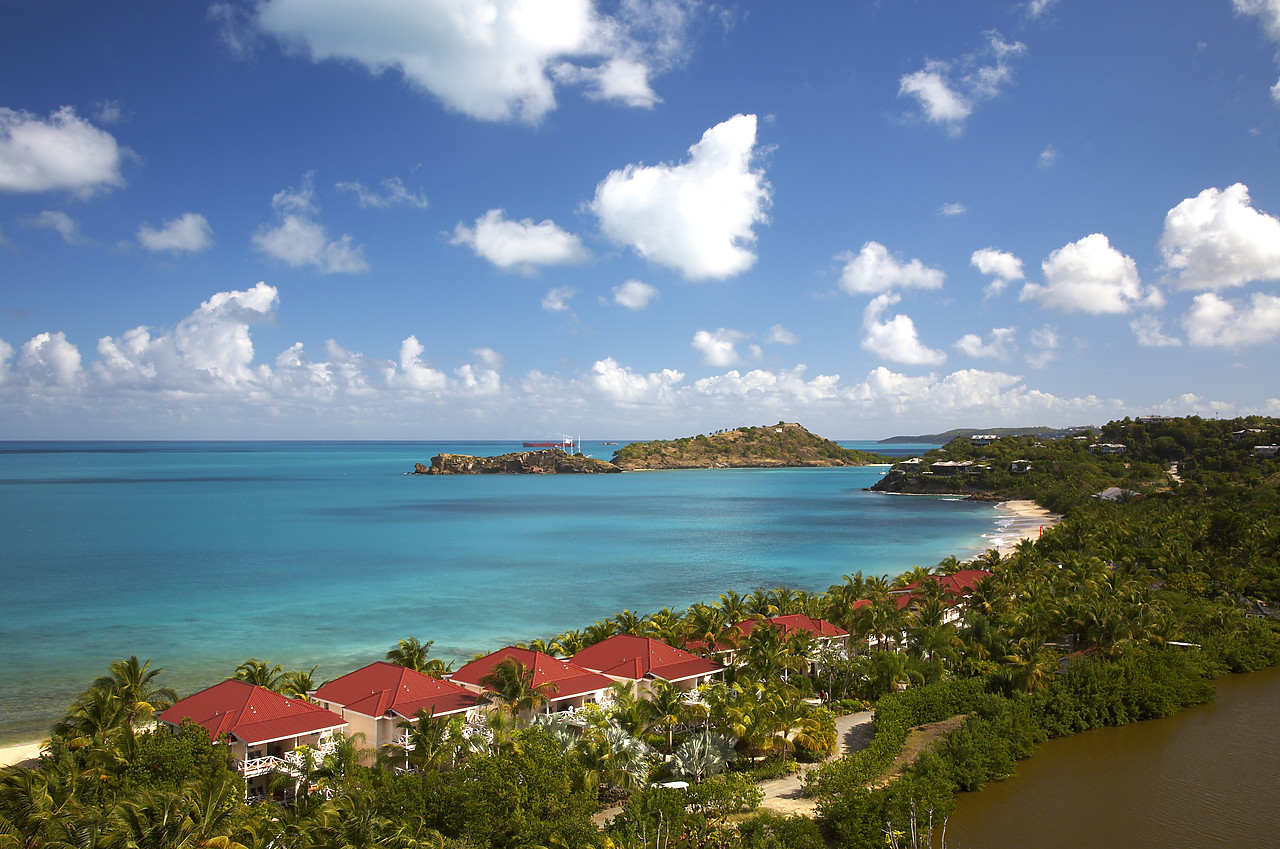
pixel 202 554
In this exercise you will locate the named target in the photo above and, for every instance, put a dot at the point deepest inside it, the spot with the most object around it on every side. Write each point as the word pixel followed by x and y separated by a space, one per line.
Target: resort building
pixel 571 687
pixel 1107 448
pixel 1265 450
pixel 379 699
pixel 955 588
pixel 626 657
pixel 263 729
pixel 1115 493
pixel 823 633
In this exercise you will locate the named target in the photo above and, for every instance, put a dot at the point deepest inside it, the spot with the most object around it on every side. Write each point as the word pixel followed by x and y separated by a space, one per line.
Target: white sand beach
pixel 20 754
pixel 1023 520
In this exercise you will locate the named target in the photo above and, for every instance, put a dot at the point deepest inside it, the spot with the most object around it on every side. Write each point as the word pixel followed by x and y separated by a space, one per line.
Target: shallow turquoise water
pixel 200 555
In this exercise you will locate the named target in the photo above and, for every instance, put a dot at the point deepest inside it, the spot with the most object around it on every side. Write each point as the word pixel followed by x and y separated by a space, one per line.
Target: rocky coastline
pixel 552 461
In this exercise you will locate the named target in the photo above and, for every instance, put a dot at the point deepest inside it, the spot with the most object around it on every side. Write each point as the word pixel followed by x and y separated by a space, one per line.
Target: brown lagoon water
pixel 1209 776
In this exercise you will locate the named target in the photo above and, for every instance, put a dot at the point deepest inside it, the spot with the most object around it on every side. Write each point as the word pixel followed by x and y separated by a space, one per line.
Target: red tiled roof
pixel 628 656
pixel 786 626
pixel 957 585
pixel 569 679
pixel 250 713
pixel 382 689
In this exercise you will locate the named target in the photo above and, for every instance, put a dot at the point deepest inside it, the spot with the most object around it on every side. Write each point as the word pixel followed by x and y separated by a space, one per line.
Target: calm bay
pixel 200 555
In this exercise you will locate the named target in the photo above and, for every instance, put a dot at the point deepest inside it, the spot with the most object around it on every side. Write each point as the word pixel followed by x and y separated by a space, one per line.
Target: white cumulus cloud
pixel 48 359
pixel 519 245
pixel 1268 14
pixel 948 91
pixel 557 299
pixel 1090 276
pixel 188 232
pixel 1149 331
pixel 59 222
pixel 492 59
pixel 999 344
pixel 873 270
pixel 1215 322
pixel 1002 266
pixel 298 240
pixel 781 335
pixel 718 348
pixel 209 349
pixel 394 193
pixel 64 152
pixel 635 295
pixel 698 216
pixel 414 372
pixel 621 385
pixel 895 339
pixel 1217 240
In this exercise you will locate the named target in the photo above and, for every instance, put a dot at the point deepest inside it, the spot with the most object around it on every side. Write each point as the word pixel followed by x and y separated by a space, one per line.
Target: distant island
pixel 785 444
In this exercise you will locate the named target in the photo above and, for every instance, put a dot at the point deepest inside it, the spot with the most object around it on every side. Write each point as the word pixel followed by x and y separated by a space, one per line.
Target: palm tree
pixel 258 673
pixel 569 643
pixel 32 807
pixel 611 757
pixel 734 606
pixel 598 631
pixel 297 684
pixel 666 709
pixel 510 686
pixel 134 683
pixel 798 726
pixel 629 622
pixel 668 626
pixel 626 710
pixel 95 718
pixel 431 741
pixel 412 654
pixel 1032 666
pixel 766 656
pixel 760 603
pixel 888 669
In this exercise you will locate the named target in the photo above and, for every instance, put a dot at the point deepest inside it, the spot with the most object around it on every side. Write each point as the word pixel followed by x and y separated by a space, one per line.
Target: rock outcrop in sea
pixel 552 461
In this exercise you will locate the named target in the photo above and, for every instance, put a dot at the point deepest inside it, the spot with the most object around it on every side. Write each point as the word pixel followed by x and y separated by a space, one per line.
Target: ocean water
pixel 200 555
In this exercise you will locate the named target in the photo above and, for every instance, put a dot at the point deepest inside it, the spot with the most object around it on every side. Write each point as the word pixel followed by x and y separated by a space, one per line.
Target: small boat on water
pixel 568 445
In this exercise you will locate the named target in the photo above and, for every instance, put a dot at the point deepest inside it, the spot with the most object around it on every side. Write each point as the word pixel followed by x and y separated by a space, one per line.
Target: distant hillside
pixel 944 438
pixel 782 445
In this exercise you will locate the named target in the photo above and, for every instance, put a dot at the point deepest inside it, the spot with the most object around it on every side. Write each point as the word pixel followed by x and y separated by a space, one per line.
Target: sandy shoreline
pixel 19 754
pixel 1022 520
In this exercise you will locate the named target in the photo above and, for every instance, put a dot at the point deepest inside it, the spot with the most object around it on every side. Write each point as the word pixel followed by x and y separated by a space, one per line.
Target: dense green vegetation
pixel 783 444
pixel 1123 612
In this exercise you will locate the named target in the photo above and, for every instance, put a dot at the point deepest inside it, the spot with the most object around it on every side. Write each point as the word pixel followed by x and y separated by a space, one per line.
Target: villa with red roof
pixel 573 687
pixel 955 587
pixel 376 699
pixel 262 728
pixel 823 632
pixel 625 657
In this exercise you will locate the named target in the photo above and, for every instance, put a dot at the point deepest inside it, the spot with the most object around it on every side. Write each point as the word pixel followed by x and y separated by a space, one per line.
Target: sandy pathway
pixel 785 796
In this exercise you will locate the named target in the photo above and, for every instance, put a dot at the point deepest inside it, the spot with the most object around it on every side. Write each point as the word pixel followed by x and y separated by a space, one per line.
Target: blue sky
pixel 433 219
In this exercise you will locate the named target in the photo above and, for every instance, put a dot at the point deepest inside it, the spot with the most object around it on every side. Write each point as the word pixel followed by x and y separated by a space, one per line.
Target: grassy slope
pixel 783 444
